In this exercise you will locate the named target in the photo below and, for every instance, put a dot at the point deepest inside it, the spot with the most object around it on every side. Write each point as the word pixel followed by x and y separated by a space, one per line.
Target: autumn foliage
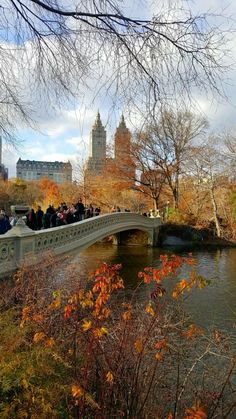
pixel 94 352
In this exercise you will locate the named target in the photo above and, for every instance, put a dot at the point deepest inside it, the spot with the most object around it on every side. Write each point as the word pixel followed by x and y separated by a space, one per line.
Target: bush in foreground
pixel 93 352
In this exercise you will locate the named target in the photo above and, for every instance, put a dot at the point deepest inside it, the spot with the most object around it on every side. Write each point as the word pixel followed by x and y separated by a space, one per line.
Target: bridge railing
pixel 22 243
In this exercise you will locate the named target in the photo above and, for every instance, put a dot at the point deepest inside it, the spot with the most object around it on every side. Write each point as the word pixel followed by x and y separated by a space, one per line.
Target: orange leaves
pixel 196 412
pixel 184 284
pixel 126 316
pixel 56 303
pixel 107 280
pixel 37 317
pixel 158 356
pixel 38 337
pixel 76 391
pixel 161 345
pixel 109 377
pixel 50 342
pixel 99 332
pixel 192 332
pixel 138 344
pixel 169 267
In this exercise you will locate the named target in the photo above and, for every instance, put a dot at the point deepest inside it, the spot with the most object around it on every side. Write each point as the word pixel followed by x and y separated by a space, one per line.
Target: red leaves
pixel 67 311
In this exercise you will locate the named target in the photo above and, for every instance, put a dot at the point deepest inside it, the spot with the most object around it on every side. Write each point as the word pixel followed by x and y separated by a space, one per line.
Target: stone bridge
pixel 21 243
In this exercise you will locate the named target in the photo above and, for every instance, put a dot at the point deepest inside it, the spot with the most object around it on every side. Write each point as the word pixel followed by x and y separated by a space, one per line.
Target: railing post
pixel 23 235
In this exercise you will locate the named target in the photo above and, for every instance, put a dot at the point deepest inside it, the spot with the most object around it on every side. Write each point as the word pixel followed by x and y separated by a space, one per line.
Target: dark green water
pixel 214 306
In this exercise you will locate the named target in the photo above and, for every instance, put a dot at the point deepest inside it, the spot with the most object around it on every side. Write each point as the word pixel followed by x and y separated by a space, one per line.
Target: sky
pixel 62 133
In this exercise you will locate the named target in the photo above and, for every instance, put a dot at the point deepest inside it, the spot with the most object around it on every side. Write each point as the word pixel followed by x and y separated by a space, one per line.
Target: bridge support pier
pixel 154 237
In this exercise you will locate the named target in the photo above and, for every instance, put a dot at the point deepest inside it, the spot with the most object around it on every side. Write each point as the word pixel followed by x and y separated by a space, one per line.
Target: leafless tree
pixel 210 170
pixel 48 48
pixel 229 151
pixel 166 143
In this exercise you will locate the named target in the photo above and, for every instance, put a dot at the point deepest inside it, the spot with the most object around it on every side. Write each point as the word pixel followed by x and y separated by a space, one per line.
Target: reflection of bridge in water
pixel 21 243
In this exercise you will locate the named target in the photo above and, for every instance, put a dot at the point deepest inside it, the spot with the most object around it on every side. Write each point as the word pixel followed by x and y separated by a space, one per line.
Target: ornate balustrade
pixel 21 243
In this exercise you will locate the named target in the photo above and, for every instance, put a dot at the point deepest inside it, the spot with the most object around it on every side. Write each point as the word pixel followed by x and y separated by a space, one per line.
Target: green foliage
pixel 29 384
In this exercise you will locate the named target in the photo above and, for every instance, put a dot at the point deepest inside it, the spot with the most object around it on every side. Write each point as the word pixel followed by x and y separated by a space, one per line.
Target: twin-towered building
pixel 98 162
pixel 61 172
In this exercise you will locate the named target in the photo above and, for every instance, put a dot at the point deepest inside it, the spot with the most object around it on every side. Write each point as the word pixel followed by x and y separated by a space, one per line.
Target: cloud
pixel 63 129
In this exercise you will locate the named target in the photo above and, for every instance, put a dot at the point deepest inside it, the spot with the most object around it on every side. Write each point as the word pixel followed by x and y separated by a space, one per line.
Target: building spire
pixel 98 122
pixel 122 124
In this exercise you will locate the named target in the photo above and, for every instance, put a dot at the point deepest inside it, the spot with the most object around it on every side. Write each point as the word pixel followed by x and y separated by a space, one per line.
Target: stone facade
pixel 58 172
pixel 123 159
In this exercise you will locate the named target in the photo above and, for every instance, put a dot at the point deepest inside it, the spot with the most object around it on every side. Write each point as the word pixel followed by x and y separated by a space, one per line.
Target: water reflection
pixel 213 307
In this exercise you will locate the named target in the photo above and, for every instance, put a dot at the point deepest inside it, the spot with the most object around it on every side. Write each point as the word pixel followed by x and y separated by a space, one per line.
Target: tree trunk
pixel 215 215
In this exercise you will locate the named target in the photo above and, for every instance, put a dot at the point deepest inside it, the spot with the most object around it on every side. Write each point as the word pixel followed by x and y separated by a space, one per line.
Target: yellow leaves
pixel 138 344
pixel 192 332
pixel 180 287
pixel 87 324
pixel 109 377
pixel 77 392
pixel 150 310
pixel 24 383
pixel 196 412
pixel 98 333
pixel 38 337
pixel 86 300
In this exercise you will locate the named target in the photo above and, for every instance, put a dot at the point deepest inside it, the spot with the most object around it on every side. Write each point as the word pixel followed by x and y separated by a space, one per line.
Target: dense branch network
pixel 66 46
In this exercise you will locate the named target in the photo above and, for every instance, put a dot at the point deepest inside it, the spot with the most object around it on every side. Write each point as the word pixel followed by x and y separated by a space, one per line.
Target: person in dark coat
pixel 31 219
pixel 39 217
pixel 80 210
pixel 4 223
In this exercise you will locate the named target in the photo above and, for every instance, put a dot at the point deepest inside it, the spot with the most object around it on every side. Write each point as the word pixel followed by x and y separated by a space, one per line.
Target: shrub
pixel 93 352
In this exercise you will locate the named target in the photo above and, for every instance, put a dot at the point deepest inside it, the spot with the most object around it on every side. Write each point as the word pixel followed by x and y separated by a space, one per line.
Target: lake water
pixel 212 307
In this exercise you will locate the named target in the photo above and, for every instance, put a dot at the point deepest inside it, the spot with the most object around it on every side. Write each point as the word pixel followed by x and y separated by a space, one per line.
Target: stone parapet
pixel 21 243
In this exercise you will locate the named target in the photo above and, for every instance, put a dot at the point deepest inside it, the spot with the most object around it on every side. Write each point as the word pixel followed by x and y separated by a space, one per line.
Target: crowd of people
pixel 55 217
pixel 52 217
